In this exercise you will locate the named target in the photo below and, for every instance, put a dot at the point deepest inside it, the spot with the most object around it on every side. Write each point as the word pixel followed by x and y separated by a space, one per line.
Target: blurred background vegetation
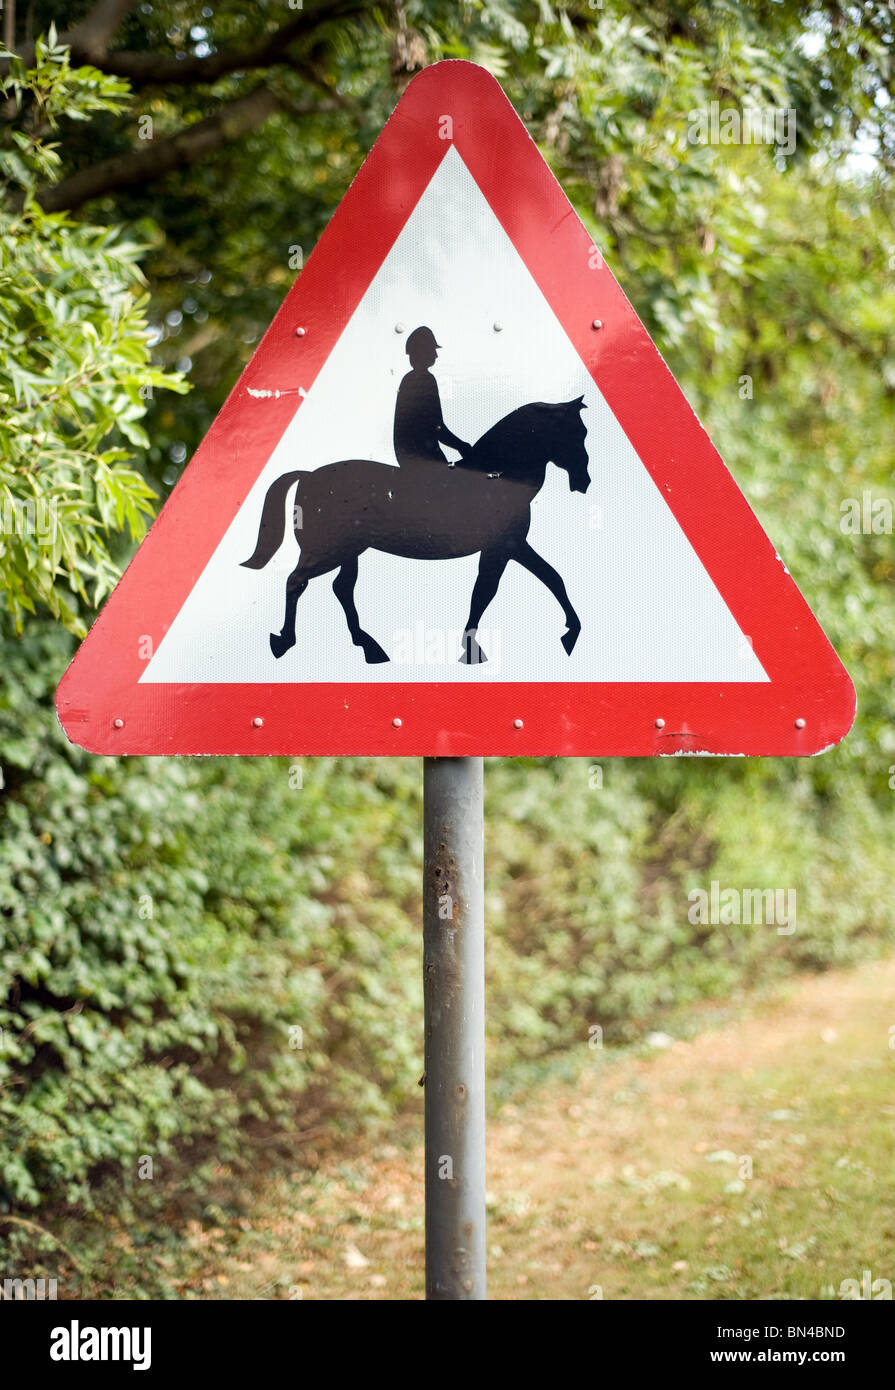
pixel 166 922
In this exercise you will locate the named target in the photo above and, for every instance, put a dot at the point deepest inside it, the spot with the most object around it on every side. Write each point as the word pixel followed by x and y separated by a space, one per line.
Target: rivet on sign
pixel 299 332
pixel 517 723
pixel 660 723
pixel 117 723
pixel 396 723
pixel 498 327
pixel 597 323
pixel 257 722
pixel 800 723
pixel 399 328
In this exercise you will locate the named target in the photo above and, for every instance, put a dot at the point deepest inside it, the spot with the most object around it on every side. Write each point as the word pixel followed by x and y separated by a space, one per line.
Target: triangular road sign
pixel 624 594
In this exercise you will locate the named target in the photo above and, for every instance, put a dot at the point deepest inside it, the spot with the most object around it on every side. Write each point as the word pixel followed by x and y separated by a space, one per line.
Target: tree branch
pixel 158 69
pixel 160 157
pixel 154 69
pixel 89 43
pixel 9 24
pixel 92 36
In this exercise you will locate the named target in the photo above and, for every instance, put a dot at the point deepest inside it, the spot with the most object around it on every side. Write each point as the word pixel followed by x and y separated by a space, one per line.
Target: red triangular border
pixel 808 703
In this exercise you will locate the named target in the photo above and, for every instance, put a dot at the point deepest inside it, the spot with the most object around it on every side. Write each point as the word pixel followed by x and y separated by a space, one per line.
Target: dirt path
pixel 754 1161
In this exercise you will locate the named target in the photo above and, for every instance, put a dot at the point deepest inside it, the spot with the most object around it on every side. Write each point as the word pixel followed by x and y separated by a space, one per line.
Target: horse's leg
pixel 538 566
pixel 492 564
pixel 343 588
pixel 280 642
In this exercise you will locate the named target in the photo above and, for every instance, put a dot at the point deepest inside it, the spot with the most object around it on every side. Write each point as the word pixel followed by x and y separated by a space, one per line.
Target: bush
pixel 167 922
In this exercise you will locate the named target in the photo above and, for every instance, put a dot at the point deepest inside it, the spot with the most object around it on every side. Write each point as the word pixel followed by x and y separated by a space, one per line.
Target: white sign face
pixel 454 270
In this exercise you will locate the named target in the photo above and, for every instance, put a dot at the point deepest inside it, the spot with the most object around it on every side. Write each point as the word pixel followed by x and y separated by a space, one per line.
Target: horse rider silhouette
pixel 419 424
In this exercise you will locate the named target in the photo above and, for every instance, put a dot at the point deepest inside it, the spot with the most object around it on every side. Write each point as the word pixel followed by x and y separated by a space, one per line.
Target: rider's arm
pixel 447 437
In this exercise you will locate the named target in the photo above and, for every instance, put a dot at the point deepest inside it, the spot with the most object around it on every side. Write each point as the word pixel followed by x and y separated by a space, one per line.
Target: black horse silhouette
pixel 434 512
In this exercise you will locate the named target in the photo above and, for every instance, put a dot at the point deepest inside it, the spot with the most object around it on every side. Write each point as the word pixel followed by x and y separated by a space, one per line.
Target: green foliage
pixel 606 91
pixel 165 924
pixel 75 370
pixel 593 927
pixel 274 907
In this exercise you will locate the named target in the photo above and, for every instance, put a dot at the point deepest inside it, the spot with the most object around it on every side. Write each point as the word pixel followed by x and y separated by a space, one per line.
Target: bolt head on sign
pixel 456 504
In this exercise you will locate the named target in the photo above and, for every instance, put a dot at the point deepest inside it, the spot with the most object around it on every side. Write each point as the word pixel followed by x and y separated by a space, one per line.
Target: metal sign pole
pixel 454 996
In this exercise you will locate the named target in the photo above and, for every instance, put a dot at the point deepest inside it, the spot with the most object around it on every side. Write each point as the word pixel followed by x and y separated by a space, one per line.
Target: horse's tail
pixel 273 522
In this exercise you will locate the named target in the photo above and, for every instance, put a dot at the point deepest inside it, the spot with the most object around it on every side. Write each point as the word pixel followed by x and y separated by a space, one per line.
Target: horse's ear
pixel 577 404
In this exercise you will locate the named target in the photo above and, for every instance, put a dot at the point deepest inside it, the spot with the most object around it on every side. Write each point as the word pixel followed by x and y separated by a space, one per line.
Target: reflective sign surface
pixel 456 504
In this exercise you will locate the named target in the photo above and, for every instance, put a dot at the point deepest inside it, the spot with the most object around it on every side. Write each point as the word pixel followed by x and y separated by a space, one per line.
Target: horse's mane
pixel 506 440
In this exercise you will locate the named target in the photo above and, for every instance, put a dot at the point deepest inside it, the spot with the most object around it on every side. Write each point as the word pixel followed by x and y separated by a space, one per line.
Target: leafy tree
pixel 248 122
pixel 75 370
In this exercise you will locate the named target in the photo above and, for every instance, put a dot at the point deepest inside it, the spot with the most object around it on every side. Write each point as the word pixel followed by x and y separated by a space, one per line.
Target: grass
pixel 752 1161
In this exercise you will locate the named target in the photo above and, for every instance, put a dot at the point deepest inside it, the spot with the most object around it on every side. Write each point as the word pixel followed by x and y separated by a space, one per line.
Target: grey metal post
pixel 454 996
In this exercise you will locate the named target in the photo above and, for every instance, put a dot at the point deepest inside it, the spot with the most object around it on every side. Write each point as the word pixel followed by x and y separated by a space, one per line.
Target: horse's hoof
pixel 569 639
pixel 472 654
pixel 373 653
pixel 279 644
